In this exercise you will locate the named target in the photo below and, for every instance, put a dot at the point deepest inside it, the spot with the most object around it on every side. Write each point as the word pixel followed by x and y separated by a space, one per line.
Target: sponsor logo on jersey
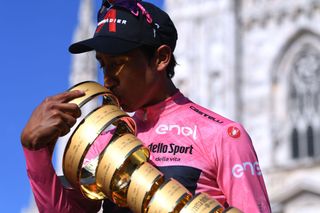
pixel 163 129
pixel 205 115
pixel 246 168
pixel 170 148
pixel 234 132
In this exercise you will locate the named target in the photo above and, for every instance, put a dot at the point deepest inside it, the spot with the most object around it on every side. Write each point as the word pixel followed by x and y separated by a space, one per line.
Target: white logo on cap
pixel 113 20
pixel 154 30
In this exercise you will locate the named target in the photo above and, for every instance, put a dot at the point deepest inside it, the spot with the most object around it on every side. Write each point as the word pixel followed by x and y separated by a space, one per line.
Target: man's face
pixel 131 77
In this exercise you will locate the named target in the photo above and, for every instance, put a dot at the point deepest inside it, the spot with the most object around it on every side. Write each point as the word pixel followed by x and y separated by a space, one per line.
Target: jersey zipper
pixel 145 115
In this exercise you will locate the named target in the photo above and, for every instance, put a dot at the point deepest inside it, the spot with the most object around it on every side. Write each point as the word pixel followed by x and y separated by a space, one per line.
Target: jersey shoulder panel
pixel 207 116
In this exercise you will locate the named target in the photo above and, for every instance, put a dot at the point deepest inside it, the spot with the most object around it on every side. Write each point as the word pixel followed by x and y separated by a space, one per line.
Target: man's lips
pixel 114 92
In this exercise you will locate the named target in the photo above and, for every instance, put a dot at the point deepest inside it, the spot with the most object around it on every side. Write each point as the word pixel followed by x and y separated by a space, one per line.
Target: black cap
pixel 126 25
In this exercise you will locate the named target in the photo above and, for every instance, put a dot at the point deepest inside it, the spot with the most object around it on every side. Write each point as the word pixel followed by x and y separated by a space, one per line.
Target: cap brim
pixel 104 44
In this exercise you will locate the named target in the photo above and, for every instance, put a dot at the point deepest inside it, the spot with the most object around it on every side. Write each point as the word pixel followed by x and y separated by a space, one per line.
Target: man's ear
pixel 163 57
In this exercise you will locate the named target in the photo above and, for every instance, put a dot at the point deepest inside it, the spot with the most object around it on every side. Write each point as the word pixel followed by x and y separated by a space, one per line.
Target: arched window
pixel 310 142
pixel 303 105
pixel 295 144
pixel 296 101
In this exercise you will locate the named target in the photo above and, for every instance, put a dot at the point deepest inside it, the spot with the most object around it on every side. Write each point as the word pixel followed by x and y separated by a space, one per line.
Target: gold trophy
pixel 122 171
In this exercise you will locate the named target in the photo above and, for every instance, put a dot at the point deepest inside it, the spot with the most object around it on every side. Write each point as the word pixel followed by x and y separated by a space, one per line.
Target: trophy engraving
pixel 118 162
pixel 170 197
pixel 202 203
pixel 144 183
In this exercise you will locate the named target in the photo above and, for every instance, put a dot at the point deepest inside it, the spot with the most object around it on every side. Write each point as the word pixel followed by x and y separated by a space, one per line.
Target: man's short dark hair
pixel 149 52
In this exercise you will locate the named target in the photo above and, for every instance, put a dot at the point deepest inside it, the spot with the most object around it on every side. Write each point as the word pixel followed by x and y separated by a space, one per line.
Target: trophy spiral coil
pixel 122 172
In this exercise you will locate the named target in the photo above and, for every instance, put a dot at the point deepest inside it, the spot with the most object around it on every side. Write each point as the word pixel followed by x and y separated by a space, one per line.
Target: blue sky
pixel 35 63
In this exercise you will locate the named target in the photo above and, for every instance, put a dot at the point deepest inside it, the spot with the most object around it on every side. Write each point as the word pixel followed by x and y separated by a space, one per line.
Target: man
pixel 204 151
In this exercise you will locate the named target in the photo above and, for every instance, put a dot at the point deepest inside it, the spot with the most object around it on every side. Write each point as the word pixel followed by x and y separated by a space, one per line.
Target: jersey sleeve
pixel 239 175
pixel 49 194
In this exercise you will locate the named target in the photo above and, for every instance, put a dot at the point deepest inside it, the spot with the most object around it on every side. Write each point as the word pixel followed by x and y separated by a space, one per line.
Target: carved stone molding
pixel 261 13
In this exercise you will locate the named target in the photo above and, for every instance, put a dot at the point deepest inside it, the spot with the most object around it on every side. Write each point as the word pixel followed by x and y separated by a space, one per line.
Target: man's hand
pixel 53 118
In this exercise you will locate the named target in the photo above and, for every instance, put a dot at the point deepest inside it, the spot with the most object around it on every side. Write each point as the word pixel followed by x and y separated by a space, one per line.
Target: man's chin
pixel 127 109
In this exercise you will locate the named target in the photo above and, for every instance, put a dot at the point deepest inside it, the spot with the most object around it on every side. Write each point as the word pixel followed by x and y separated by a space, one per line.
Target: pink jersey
pixel 202 150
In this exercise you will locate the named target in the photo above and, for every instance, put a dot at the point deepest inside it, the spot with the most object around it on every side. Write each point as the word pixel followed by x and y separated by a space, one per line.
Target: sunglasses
pixel 134 6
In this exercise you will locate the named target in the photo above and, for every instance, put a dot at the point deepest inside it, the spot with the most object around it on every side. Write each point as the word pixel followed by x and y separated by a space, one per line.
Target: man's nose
pixel 110 81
